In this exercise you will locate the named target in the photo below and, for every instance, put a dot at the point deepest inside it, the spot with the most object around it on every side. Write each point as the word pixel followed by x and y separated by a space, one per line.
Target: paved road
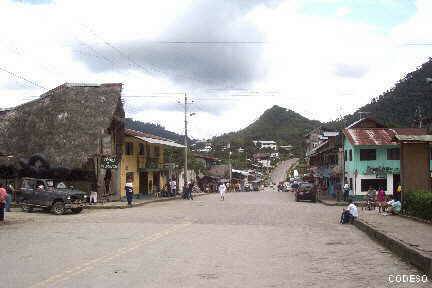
pixel 249 240
pixel 279 173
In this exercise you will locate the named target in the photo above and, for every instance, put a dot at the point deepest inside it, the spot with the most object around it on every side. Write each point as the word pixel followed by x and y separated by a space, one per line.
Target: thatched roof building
pixel 69 125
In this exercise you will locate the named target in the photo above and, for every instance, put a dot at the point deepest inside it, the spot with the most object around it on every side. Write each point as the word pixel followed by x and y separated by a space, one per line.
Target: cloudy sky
pixel 234 58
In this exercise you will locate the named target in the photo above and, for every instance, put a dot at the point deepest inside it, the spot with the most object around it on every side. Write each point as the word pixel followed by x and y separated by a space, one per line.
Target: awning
pixel 160 141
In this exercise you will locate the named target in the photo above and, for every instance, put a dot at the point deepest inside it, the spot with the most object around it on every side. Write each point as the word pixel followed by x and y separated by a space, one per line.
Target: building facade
pixel 144 163
pixel 372 158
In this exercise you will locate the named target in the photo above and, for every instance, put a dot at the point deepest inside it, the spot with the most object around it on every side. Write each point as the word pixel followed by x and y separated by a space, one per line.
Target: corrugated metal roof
pixel 161 142
pixel 150 138
pixel 379 136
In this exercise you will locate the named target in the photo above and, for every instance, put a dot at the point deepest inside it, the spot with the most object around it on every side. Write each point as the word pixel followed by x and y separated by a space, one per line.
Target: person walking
pixel 9 191
pixel 190 188
pixel 381 199
pixel 129 191
pixel 3 198
pixel 173 186
pixel 222 190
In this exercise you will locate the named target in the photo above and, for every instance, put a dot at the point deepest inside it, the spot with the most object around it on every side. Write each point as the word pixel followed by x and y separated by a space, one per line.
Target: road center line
pixel 107 258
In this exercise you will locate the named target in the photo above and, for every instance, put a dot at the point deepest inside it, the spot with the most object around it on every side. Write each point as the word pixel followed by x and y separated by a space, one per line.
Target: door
pixel 43 193
pixel 156 181
pixel 143 183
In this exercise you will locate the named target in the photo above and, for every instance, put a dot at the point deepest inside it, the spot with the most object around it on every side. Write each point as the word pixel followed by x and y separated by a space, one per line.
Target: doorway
pixel 156 181
pixel 143 183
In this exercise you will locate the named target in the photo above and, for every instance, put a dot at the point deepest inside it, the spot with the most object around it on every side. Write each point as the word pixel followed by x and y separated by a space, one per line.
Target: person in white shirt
pixel 352 208
pixel 222 189
pixel 173 186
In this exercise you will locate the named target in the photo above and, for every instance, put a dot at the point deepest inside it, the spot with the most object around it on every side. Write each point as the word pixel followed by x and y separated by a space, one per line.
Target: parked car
pixel 51 196
pixel 306 191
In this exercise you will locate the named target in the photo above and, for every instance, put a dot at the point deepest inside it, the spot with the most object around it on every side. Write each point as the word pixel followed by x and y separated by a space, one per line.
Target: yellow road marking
pixel 106 258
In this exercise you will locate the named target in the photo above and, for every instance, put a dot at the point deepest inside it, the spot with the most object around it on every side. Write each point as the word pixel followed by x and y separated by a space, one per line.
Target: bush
pixel 419 204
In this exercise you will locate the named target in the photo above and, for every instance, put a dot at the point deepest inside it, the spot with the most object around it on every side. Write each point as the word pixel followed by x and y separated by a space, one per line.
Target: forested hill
pixel 409 101
pixel 154 129
pixel 286 127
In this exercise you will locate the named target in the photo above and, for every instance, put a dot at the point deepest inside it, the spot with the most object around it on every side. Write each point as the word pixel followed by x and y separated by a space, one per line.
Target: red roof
pixel 379 136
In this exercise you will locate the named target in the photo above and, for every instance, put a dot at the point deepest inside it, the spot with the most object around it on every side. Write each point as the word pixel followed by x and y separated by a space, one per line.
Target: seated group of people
pixel 350 213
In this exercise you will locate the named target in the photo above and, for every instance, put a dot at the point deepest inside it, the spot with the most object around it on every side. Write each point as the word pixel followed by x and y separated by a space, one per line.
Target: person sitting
pixel 394 206
pixel 350 213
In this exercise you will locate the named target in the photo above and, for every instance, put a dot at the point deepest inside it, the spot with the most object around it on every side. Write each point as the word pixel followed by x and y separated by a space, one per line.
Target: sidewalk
pixel 332 202
pixel 136 202
pixel 409 239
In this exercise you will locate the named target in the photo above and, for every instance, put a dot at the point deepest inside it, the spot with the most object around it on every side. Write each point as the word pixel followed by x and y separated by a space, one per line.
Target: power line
pixel 34 83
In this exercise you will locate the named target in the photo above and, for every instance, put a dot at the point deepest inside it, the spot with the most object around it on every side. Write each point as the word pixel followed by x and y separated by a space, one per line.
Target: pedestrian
pixel 3 197
pixel 189 190
pixel 398 193
pixel 9 191
pixel 173 186
pixel 129 191
pixel 346 192
pixel 222 190
pixel 381 198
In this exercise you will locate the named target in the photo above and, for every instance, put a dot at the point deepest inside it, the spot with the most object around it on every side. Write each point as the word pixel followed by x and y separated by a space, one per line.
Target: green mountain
pixel 286 127
pixel 407 104
pixel 154 129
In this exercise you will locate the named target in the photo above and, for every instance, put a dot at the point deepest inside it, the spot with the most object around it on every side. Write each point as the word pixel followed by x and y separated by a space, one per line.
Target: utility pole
pixel 185 178
pixel 229 162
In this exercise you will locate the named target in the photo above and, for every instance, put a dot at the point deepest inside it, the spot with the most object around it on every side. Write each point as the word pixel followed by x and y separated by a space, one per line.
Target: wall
pixel 361 166
pixel 415 170
pixel 132 163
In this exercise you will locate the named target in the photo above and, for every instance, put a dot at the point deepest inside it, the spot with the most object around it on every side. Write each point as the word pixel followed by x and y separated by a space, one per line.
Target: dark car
pixel 51 196
pixel 306 191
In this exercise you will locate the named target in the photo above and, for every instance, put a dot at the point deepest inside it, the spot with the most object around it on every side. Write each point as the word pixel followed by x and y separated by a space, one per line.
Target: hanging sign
pixel 109 162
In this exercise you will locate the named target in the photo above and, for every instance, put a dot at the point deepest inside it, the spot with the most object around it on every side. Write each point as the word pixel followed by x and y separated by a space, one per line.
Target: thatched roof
pixel 66 124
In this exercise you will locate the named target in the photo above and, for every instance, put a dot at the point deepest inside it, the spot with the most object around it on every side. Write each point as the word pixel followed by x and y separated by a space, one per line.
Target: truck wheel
pixel 76 210
pixel 58 208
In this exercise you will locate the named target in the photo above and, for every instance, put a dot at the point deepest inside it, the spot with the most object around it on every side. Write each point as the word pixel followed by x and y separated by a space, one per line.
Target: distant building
pixel 263 144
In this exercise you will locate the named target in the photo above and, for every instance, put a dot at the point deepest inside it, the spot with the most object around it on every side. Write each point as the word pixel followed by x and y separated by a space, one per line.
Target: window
pixel 156 151
pixel 393 154
pixel 129 148
pixel 350 155
pixel 141 149
pixel 367 154
pixel 374 183
pixel 345 155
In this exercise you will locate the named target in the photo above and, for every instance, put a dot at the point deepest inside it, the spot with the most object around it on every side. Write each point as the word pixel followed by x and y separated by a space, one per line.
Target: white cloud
pixel 343 11
pixel 305 57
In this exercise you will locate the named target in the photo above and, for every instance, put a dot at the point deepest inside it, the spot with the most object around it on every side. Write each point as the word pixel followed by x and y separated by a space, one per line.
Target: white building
pixel 263 144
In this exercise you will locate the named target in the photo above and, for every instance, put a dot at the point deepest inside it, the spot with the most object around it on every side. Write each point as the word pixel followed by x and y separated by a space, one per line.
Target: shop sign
pixel 109 162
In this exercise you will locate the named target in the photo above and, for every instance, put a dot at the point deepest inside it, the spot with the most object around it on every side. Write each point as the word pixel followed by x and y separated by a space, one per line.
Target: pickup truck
pixel 51 196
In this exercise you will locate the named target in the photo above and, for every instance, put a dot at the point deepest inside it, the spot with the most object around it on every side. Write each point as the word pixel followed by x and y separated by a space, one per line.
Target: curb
pixel 331 203
pixel 139 204
pixel 415 257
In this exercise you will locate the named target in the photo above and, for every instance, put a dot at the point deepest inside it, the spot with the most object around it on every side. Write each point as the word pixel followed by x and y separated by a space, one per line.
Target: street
pixel 279 174
pixel 254 239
